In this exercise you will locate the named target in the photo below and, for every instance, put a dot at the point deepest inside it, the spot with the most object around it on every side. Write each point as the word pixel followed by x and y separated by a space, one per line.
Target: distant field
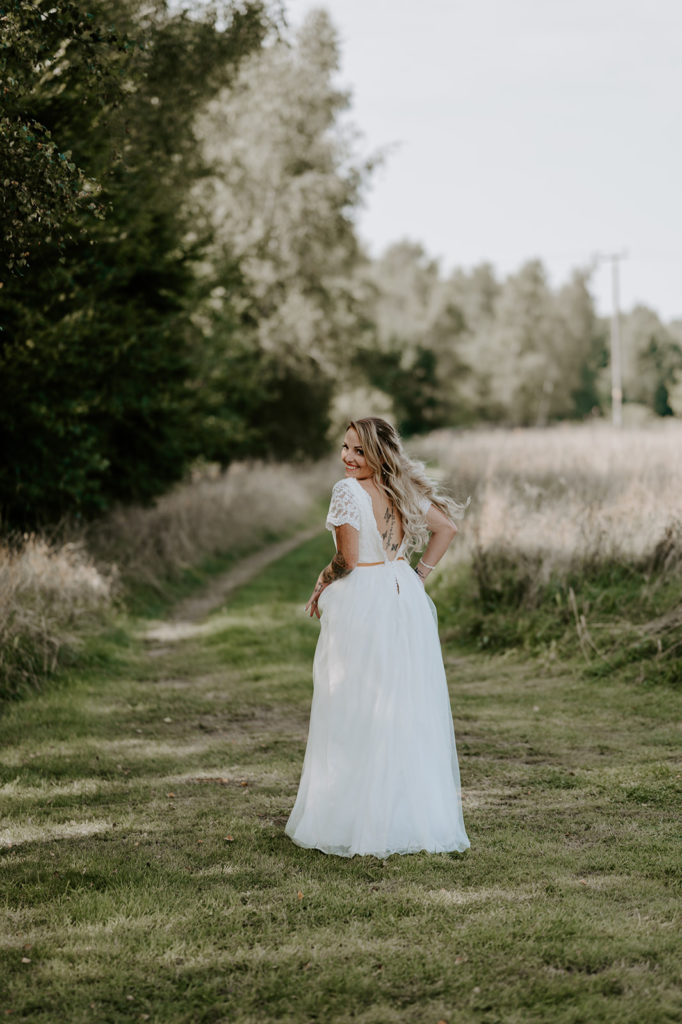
pixel 573 536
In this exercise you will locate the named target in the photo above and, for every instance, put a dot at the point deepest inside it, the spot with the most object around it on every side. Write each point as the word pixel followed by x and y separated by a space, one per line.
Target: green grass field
pixel 146 875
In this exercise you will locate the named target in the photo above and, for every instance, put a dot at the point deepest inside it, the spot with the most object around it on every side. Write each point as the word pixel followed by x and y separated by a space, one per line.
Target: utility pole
pixel 616 363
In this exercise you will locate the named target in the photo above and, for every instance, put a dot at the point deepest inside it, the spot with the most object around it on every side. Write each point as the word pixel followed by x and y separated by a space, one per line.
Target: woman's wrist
pixel 425 564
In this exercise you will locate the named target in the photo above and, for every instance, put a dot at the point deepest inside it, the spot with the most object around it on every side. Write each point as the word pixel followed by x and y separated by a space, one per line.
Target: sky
pixel 521 129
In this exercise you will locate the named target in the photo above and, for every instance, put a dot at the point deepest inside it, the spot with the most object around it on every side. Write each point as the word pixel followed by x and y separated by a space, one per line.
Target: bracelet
pixel 426 564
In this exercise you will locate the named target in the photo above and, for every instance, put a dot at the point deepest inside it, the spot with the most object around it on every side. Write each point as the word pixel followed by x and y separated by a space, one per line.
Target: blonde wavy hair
pixel 403 479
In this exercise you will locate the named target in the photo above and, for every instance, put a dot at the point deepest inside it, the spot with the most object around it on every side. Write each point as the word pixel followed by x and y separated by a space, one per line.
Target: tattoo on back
pixel 387 534
pixel 337 568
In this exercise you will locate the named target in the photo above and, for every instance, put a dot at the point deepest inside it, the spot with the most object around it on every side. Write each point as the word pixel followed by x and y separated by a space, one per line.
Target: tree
pixel 475 292
pixel 539 355
pixel 416 353
pixel 99 348
pixel 49 51
pixel 280 198
pixel 581 351
pixel 406 282
pixel 652 360
pixel 518 349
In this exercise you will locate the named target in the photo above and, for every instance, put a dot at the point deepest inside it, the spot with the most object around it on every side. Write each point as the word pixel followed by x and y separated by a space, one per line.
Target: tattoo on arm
pixel 337 568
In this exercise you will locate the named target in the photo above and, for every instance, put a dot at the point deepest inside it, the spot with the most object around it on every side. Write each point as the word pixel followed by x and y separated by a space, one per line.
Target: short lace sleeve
pixel 343 508
pixel 424 504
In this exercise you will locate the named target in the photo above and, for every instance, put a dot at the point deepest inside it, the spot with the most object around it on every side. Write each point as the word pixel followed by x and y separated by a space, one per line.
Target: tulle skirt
pixel 380 773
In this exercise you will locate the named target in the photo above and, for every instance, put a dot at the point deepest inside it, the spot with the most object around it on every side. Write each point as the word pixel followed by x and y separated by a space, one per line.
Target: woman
pixel 380 773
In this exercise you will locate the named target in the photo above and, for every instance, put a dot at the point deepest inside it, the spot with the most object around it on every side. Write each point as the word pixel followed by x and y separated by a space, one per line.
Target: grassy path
pixel 145 874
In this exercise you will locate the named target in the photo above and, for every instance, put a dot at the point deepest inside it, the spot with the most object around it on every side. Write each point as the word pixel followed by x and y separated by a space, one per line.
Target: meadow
pixel 144 791
pixel 572 543
pixel 146 875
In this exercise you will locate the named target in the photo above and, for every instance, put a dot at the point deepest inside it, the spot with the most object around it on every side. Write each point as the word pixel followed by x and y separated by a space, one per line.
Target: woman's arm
pixel 343 562
pixel 442 532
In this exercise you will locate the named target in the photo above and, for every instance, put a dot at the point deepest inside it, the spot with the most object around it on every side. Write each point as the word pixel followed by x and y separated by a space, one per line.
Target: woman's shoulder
pixel 344 485
pixel 344 506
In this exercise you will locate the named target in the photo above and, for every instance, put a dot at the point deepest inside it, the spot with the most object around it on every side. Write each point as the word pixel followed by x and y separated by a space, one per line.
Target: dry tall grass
pixel 52 592
pixel 48 593
pixel 584 522
pixel 213 514
pixel 568 495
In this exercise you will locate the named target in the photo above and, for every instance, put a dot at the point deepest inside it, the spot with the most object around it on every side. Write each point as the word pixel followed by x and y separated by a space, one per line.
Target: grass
pixel 57 594
pixel 572 544
pixel 147 877
pixel 614 619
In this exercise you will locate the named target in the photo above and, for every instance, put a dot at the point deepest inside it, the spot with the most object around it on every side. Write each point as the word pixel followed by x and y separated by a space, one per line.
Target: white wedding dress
pixel 380 773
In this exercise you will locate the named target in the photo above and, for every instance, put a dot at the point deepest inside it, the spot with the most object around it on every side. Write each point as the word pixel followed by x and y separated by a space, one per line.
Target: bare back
pixel 387 518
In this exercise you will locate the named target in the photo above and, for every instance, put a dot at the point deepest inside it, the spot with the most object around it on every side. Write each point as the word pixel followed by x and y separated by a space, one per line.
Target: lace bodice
pixel 352 505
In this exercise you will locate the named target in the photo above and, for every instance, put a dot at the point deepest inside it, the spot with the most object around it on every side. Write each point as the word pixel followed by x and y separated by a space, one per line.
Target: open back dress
pixel 380 773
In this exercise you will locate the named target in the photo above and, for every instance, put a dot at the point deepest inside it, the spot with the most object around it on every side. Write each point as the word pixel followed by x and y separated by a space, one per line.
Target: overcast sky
pixel 523 128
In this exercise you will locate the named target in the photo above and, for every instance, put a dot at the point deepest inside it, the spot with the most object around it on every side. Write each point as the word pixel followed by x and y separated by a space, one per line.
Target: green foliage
pixel 52 55
pixel 95 402
pixel 589 393
pixel 182 276
pixel 210 310
pixel 652 360
pixel 413 386
pixel 616 617
pixel 417 353
pixel 98 348
pixel 283 185
pixel 469 347
pixel 537 349
pixel 252 406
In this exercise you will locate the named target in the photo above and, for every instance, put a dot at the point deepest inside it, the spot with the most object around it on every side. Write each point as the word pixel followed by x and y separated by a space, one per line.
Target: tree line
pixel 182 277
pixel 473 347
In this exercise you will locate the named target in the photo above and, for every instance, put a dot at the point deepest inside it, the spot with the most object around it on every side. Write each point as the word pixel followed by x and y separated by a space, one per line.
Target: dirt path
pixel 185 619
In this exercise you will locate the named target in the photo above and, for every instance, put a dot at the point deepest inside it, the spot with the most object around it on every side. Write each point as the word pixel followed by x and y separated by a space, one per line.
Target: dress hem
pixel 340 851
